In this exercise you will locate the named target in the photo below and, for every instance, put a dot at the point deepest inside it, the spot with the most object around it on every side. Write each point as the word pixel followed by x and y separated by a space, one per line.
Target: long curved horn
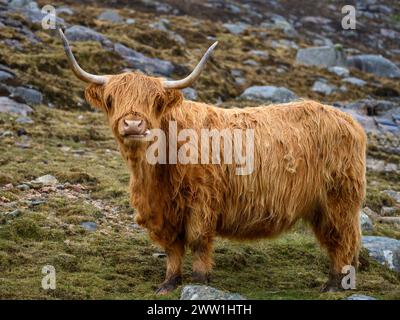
pixel 186 82
pixel 79 72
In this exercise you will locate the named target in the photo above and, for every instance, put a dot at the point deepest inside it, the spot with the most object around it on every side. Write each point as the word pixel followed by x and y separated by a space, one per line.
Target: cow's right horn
pixel 79 72
pixel 186 82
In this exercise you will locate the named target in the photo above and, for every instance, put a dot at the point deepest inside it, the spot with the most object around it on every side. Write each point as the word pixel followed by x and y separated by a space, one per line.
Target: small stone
pixel 89 226
pixel 197 292
pixel 46 180
pixel 110 15
pixel 340 71
pixel 14 214
pixel 8 186
pixel 190 93
pixel 23 187
pixel 359 297
pixel 323 87
pixel 24 120
pixel 269 93
pixel 366 222
pixel 236 28
pixel 388 211
pixel 10 106
pixel 355 81
pixel 159 255
pixel 34 203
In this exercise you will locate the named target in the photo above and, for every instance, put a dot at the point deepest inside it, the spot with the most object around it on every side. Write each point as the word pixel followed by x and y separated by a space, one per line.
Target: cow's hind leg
pixel 338 230
pixel 173 276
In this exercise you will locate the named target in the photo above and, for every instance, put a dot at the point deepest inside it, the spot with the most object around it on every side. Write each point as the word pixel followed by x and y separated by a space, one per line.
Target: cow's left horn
pixel 79 72
pixel 186 82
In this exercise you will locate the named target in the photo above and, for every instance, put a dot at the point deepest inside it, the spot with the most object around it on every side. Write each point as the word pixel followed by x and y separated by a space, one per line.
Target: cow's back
pixel 302 151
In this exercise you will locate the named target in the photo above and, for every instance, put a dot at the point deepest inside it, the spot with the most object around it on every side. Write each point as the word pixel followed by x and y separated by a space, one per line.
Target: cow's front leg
pixel 173 276
pixel 202 260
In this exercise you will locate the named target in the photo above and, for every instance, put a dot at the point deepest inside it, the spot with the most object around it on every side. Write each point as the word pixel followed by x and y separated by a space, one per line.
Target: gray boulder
pixel 384 250
pixel 326 56
pixel 81 33
pixel 27 95
pixel 10 106
pixel 269 93
pixel 375 64
pixel 110 15
pixel 139 61
pixel 197 292
pixel 395 195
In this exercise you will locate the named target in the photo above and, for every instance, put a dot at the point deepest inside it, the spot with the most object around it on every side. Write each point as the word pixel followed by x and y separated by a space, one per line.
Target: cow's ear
pixel 170 99
pixel 94 95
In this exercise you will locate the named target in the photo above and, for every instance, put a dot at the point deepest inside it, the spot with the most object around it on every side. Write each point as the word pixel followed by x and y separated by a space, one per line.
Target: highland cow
pixel 309 164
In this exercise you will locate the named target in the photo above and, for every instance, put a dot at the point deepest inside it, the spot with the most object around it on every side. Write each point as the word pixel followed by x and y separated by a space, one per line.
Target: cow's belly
pixel 253 225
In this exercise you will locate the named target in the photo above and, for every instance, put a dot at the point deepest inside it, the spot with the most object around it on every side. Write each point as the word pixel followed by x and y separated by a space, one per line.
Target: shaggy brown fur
pixel 309 164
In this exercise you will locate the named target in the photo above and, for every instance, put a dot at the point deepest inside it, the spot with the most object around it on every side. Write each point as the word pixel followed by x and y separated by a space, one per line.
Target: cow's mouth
pixel 137 136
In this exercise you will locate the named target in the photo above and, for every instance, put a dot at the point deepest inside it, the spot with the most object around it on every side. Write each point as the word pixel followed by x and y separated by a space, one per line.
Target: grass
pixel 116 261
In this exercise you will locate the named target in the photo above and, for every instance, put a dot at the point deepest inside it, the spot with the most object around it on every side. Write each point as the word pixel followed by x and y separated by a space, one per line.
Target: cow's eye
pixel 109 103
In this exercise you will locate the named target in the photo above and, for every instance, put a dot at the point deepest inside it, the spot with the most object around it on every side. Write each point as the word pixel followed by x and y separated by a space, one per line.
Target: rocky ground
pixel 63 186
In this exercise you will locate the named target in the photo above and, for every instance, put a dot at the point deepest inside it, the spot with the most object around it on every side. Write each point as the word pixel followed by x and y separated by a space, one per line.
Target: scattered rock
pixel 366 222
pixel 280 23
pixel 377 165
pixel 323 87
pixel 388 211
pixel 89 226
pixel 355 81
pixel 10 106
pixel 65 10
pixel 81 33
pixel 384 250
pixel 326 56
pixel 340 71
pixel 5 76
pixel 24 120
pixel 27 95
pixel 190 93
pixel 236 28
pixel 375 64
pixel 23 187
pixel 197 292
pixel 269 93
pixel 359 297
pixel 46 180
pixel 110 15
pixel 395 195
pixel 159 255
pixel 139 61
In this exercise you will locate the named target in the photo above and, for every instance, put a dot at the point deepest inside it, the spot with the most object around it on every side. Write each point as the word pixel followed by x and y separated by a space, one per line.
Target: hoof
pixel 203 278
pixel 169 285
pixel 330 288
pixel 334 284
